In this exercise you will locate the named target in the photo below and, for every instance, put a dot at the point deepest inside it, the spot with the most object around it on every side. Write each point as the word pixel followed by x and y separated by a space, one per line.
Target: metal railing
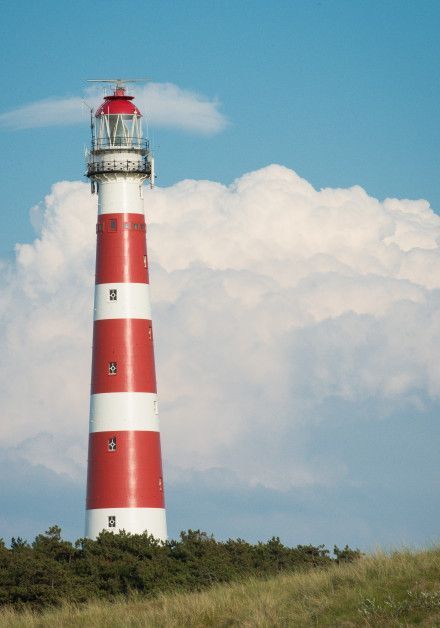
pixel 118 165
pixel 137 143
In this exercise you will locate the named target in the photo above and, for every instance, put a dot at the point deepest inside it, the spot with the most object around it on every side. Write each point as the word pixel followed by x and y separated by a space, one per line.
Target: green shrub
pixel 51 571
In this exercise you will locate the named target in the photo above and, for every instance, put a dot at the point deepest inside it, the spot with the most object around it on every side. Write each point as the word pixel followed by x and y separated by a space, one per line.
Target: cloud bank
pixel 282 313
pixel 162 104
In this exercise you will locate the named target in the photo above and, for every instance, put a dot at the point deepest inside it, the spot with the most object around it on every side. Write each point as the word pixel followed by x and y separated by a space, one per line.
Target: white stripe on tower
pixel 126 410
pixel 136 520
pixel 122 300
pixel 123 195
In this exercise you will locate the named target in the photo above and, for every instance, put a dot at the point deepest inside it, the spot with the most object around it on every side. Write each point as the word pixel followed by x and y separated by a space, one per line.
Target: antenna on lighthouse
pixel 118 82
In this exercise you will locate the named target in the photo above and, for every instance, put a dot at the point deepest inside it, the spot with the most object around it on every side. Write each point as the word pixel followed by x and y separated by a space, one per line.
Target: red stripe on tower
pixel 141 489
pixel 123 356
pixel 121 249
pixel 124 481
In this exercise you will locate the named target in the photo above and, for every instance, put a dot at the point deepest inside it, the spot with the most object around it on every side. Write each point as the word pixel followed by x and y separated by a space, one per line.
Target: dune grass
pixel 399 589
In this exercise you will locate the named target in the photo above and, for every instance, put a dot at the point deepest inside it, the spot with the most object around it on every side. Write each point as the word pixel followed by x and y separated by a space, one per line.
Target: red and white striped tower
pixel 124 483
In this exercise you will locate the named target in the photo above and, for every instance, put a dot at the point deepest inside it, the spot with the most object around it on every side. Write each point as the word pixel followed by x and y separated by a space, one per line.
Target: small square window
pixel 135 226
pixel 143 227
pixel 112 443
pixel 113 224
pixel 113 294
pixel 112 368
pixel 126 225
pixel 99 227
pixel 112 521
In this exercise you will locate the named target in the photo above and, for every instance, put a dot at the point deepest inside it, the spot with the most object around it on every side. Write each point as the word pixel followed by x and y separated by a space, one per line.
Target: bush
pixel 346 555
pixel 51 570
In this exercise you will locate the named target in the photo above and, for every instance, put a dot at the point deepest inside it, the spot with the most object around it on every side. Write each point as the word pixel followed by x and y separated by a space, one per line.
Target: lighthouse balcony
pixel 99 166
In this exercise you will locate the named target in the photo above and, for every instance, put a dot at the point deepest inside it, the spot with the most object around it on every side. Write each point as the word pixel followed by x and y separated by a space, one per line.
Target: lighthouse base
pixel 134 520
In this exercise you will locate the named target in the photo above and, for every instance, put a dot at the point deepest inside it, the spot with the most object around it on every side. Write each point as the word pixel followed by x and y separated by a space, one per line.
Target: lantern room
pixel 117 122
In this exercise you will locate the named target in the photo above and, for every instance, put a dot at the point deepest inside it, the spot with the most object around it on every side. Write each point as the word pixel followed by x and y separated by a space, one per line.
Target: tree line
pixel 51 571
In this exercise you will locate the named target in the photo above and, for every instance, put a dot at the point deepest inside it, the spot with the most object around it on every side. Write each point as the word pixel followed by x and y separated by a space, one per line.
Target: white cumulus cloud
pixel 163 105
pixel 270 298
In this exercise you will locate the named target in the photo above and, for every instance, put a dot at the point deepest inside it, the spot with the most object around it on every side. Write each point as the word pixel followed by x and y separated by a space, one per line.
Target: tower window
pixel 112 521
pixel 113 224
pixel 112 443
pixel 113 294
pixel 126 225
pixel 112 368
pixel 99 227
pixel 135 226
pixel 143 227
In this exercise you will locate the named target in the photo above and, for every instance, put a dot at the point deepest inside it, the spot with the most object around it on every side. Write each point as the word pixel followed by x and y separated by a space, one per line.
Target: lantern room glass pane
pixel 121 129
pixel 118 130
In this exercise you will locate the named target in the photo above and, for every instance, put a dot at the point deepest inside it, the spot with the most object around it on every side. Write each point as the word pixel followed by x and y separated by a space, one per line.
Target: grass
pixel 400 589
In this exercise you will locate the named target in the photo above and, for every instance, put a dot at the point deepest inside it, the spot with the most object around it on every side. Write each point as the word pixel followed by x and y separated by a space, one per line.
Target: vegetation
pixel 397 590
pixel 52 571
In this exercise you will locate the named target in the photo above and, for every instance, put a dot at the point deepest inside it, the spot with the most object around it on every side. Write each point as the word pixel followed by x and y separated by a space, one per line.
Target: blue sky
pixel 345 93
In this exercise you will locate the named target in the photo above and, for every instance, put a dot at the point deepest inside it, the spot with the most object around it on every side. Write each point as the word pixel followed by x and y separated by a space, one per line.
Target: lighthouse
pixel 124 480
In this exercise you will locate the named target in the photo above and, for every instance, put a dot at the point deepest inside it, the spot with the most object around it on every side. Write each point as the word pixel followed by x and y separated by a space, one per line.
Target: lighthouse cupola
pixel 117 142
pixel 118 122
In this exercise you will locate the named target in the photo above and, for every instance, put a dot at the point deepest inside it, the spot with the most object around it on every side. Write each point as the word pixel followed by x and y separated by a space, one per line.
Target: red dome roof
pixel 119 102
